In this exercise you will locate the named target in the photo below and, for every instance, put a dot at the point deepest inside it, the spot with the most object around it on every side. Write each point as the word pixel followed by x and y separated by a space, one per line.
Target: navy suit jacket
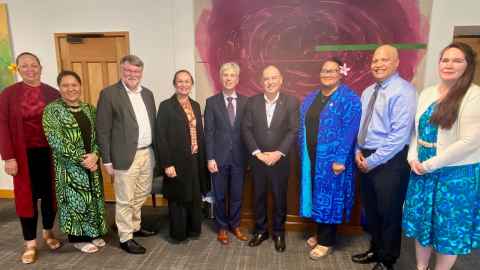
pixel 223 139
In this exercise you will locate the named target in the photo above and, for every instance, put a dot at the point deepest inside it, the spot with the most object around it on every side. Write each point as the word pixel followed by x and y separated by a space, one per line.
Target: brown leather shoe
pixel 222 237
pixel 240 236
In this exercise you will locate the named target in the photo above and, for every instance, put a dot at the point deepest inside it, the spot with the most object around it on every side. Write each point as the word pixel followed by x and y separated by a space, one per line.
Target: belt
pixel 426 144
pixel 143 148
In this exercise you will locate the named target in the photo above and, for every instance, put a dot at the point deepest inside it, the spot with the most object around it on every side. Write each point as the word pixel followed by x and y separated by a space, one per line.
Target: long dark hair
pixel 447 110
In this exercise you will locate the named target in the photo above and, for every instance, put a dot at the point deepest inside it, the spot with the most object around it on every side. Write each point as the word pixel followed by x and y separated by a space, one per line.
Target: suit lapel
pixel 279 108
pixel 263 110
pixel 179 109
pixel 126 99
pixel 223 109
pixel 241 101
pixel 150 110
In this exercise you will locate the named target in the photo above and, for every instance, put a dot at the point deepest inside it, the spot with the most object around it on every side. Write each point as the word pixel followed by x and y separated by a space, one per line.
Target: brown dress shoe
pixel 240 236
pixel 222 237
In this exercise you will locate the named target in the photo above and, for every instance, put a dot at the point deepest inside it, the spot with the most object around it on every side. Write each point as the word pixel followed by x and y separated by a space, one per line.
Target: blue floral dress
pixel 442 208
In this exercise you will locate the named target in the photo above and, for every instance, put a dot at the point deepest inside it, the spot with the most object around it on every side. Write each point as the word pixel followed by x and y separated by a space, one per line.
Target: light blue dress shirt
pixel 392 121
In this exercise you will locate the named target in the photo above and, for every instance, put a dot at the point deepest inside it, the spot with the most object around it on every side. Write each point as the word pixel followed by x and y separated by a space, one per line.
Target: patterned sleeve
pixel 351 122
pixel 93 112
pixel 62 138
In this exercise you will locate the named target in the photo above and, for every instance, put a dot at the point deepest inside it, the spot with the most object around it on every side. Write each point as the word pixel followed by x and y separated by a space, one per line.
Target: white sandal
pixel 99 242
pixel 86 247
pixel 319 252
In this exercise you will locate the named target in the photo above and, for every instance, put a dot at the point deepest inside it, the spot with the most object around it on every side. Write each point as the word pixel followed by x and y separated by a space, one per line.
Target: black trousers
pixel 382 191
pixel 185 219
pixel 275 177
pixel 186 216
pixel 78 239
pixel 326 234
pixel 40 166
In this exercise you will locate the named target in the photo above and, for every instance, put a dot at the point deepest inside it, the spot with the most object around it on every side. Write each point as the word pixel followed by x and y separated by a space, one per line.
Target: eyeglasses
pixel 329 71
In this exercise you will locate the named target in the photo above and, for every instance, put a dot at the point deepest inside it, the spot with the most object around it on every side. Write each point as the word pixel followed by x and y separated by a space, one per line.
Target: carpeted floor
pixel 203 253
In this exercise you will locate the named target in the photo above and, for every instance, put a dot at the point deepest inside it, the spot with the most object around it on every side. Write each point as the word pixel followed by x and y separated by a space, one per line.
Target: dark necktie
pixel 362 135
pixel 231 110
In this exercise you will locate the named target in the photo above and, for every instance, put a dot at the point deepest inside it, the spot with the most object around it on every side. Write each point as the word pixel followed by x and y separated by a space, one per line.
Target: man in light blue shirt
pixel 388 112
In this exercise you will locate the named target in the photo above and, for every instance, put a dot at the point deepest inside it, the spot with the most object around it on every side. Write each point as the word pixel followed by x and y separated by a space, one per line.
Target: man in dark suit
pixel 125 126
pixel 226 152
pixel 269 129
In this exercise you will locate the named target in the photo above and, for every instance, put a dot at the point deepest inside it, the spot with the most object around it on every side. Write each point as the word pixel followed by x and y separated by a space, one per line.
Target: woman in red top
pixel 26 153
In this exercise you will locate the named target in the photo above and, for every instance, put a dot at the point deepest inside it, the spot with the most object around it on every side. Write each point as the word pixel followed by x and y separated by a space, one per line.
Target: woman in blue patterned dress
pixel 442 208
pixel 329 122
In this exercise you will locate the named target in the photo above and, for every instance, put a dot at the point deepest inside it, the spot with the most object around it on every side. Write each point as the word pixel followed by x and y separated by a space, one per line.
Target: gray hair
pixel 230 65
pixel 132 60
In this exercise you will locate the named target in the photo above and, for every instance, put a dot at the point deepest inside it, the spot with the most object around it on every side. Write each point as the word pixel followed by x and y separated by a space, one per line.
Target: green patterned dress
pixel 79 192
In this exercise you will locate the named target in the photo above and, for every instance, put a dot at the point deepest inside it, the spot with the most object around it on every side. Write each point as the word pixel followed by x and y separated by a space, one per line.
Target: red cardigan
pixel 12 142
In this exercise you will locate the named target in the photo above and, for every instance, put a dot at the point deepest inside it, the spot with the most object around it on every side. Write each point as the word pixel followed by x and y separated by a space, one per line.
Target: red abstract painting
pixel 298 35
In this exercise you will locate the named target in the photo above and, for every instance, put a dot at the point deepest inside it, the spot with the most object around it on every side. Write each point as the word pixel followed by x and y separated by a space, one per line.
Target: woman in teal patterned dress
pixel 69 127
pixel 442 208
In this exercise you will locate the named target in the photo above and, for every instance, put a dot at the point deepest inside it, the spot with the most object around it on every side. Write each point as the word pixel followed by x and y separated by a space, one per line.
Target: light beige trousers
pixel 132 187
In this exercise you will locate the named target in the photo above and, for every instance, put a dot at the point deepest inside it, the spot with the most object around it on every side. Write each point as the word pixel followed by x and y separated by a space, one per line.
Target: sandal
pixel 51 242
pixel 319 252
pixel 99 242
pixel 312 241
pixel 29 255
pixel 86 247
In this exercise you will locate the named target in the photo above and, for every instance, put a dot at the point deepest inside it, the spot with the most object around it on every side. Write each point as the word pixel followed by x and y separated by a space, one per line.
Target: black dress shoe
pixel 382 266
pixel 144 233
pixel 257 239
pixel 132 247
pixel 364 258
pixel 279 243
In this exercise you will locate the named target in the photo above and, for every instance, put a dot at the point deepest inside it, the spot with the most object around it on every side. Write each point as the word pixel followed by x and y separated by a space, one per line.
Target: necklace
pixel 74 108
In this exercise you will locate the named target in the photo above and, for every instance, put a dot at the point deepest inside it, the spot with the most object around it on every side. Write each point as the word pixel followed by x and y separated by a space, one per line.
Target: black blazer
pixel 283 128
pixel 221 138
pixel 173 147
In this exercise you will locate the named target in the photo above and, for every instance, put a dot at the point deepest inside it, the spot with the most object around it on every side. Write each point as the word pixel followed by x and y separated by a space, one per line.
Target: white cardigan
pixel 459 145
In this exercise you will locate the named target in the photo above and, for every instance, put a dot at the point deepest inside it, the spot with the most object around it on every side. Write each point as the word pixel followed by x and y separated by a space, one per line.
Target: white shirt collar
pixel 137 91
pixel 233 95
pixel 273 101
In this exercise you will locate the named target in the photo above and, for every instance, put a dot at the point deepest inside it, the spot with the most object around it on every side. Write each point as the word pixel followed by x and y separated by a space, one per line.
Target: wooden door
pixel 474 42
pixel 95 57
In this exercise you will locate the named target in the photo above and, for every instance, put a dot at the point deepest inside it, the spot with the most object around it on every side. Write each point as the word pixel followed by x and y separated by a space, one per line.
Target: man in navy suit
pixel 269 130
pixel 226 152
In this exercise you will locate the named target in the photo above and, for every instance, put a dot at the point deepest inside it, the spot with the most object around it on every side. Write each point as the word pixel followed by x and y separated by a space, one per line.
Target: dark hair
pixel 65 73
pixel 29 54
pixel 335 60
pixel 182 71
pixel 446 112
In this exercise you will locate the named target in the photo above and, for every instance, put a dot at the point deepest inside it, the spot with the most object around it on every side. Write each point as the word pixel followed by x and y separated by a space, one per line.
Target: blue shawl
pixel 328 196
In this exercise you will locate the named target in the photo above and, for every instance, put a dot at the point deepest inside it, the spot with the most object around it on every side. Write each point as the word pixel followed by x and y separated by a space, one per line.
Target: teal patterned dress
pixel 79 192
pixel 442 208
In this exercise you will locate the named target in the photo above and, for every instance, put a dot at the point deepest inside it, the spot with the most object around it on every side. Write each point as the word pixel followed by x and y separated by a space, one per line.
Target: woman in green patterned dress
pixel 70 130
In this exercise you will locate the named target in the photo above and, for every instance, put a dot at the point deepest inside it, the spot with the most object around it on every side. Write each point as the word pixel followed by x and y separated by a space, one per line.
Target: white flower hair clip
pixel 344 69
